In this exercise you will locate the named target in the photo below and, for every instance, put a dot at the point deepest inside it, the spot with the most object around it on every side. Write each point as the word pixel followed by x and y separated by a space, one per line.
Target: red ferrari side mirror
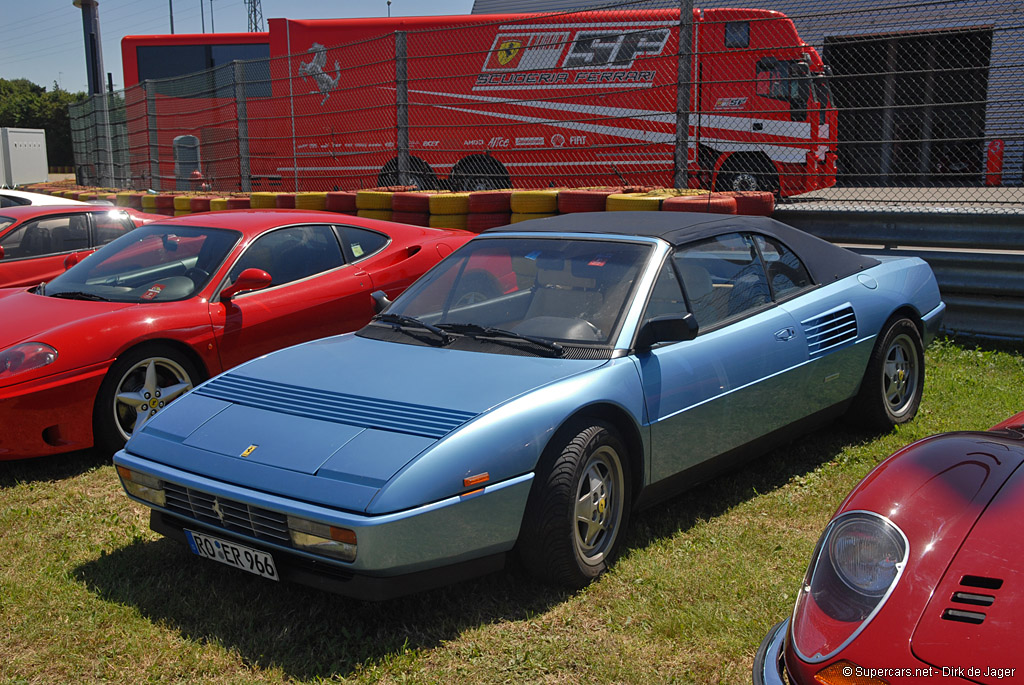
pixel 250 279
pixel 71 260
pixel 1 251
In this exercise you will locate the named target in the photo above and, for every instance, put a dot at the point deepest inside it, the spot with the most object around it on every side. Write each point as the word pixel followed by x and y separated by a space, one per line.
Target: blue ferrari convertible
pixel 527 394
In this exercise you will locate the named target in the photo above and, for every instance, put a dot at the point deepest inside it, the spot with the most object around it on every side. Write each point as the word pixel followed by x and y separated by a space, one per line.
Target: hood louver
pixel 830 330
pixel 326 405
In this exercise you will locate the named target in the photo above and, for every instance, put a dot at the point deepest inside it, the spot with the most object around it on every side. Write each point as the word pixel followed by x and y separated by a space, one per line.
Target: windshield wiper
pixel 400 321
pixel 501 335
pixel 79 295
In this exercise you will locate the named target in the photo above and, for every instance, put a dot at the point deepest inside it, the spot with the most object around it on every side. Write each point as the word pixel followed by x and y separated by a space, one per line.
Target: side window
pixel 667 295
pixel 289 254
pixel 787 275
pixel 111 226
pixel 737 34
pixel 360 243
pixel 52 235
pixel 722 277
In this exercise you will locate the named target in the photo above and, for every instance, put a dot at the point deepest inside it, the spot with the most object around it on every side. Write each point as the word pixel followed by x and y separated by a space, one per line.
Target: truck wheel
pixel 894 380
pixel 578 507
pixel 745 174
pixel 138 386
pixel 479 172
pixel 420 175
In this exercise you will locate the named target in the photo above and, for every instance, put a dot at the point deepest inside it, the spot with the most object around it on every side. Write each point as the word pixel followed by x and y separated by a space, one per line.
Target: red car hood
pixel 29 317
pixel 975 612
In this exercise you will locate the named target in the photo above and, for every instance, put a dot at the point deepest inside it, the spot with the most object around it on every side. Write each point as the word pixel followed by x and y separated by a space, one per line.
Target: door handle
pixel 785 334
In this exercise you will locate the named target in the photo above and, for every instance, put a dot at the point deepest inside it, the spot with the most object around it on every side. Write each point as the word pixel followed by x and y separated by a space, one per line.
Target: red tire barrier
pixel 478 223
pixel 341 201
pixel 414 218
pixel 490 202
pixel 714 203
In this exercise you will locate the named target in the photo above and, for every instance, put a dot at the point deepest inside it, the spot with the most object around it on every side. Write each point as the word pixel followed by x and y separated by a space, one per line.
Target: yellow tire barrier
pixel 263 200
pixel 382 214
pixel 523 216
pixel 373 200
pixel 149 201
pixel 311 201
pixel 218 204
pixel 632 202
pixel 534 201
pixel 449 203
pixel 182 203
pixel 124 200
pixel 449 221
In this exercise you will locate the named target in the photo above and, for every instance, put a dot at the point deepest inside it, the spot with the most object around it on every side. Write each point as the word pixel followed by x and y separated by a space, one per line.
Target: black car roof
pixel 825 261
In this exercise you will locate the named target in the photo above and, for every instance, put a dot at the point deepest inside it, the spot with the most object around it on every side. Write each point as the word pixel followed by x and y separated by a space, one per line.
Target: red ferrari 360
pixel 918 576
pixel 90 356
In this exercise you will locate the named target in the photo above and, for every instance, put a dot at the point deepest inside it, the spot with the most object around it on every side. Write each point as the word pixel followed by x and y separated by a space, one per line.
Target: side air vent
pixel 972 598
pixel 830 330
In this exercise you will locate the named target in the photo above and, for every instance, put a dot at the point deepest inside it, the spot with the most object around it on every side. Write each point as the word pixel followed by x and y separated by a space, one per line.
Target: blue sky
pixel 43 39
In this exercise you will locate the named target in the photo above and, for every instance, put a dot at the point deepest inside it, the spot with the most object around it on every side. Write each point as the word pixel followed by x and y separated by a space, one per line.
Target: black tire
pixel 479 172
pixel 115 414
pixel 893 383
pixel 744 173
pixel 584 468
pixel 420 175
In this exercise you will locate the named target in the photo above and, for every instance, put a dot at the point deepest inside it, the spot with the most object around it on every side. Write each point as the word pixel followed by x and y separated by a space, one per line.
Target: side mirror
pixel 71 260
pixel 1 251
pixel 380 301
pixel 250 279
pixel 669 328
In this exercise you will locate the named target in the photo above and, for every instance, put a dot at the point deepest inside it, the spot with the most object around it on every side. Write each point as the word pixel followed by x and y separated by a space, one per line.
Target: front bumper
pixel 396 552
pixel 49 415
pixel 769 664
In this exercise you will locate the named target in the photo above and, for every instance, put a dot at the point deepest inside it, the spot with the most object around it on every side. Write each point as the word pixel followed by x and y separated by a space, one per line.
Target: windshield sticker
pixel 533 255
pixel 153 291
pixel 357 249
pixel 599 260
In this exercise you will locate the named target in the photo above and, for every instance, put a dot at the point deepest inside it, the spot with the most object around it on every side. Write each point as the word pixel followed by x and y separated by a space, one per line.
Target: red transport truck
pixel 474 102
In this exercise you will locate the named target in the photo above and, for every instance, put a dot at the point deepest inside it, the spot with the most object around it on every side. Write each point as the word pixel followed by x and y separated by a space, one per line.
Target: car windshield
pixel 545 289
pixel 155 263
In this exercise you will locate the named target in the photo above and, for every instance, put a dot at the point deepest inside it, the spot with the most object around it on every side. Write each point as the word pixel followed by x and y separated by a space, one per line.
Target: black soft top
pixel 825 261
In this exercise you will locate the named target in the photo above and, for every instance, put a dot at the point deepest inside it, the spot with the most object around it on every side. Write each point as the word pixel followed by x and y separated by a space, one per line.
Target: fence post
pixel 151 130
pixel 402 100
pixel 681 158
pixel 238 74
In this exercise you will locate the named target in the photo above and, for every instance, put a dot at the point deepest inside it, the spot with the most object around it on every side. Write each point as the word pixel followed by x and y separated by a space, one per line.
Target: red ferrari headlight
pixel 855 567
pixel 25 357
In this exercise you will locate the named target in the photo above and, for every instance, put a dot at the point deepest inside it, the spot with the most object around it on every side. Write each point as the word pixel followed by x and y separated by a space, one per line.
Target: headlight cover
pixel 25 357
pixel 855 567
pixel 322 538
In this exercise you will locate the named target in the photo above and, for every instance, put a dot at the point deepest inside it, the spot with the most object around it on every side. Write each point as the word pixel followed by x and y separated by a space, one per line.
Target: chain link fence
pixel 857 104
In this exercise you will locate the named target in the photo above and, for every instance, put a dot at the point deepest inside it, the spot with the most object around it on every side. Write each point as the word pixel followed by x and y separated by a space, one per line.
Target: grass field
pixel 88 593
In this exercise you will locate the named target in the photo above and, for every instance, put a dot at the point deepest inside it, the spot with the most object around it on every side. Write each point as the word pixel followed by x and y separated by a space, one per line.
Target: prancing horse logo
pixel 508 50
pixel 314 69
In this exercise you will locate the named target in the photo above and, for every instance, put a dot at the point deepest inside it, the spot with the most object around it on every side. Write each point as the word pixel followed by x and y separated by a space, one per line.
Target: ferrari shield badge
pixel 508 50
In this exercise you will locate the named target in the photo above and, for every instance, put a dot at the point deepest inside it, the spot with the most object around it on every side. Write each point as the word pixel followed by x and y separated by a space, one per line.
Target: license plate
pixel 232 554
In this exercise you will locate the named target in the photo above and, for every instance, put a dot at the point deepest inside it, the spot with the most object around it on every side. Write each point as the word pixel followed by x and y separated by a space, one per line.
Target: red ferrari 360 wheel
pixel 136 388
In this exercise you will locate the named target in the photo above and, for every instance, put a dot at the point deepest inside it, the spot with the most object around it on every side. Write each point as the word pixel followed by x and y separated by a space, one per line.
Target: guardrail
pixel 978 260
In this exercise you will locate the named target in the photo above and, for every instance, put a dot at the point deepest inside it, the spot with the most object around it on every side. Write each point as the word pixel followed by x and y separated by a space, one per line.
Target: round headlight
pixel 865 552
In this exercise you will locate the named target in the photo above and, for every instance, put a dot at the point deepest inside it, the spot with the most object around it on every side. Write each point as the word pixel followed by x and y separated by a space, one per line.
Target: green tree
pixel 23 104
